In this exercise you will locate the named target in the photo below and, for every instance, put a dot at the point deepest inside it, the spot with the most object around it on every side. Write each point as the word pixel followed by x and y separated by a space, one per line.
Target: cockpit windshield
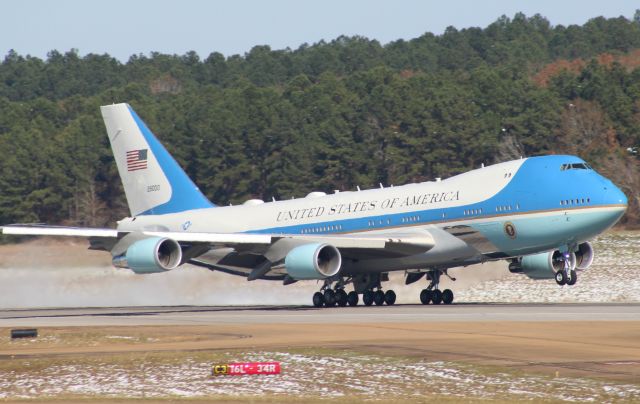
pixel 575 166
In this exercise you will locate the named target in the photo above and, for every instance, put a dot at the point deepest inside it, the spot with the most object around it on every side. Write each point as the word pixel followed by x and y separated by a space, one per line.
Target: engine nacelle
pixel 313 261
pixel 584 256
pixel 541 266
pixel 150 255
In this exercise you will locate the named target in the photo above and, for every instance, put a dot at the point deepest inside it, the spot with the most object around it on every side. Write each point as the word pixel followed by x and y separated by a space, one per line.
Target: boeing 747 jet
pixel 537 213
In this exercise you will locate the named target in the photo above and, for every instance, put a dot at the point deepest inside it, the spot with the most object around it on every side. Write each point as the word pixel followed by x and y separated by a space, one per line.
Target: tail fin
pixel 153 181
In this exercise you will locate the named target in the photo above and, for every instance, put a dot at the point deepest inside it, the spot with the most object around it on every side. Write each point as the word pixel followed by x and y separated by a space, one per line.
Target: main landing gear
pixel 432 294
pixel 337 296
pixel 568 274
pixel 378 297
pixel 369 286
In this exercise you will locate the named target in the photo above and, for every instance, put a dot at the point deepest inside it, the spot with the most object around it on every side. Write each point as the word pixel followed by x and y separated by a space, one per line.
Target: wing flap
pixel 403 244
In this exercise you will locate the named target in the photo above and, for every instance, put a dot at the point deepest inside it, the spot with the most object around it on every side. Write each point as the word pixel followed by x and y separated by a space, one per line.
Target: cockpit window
pixel 575 166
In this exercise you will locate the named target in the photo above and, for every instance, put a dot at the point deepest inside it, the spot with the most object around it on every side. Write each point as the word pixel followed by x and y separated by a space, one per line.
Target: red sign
pixel 246 368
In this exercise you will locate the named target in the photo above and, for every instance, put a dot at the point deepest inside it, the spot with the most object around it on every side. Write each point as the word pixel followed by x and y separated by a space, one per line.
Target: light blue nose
pixel 614 196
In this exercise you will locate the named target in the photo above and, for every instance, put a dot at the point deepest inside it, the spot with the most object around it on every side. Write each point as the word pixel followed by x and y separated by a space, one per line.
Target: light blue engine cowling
pixel 545 265
pixel 154 254
pixel 313 261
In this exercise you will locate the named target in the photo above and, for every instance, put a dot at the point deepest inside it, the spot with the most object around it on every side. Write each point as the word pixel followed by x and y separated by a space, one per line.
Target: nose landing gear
pixel 568 274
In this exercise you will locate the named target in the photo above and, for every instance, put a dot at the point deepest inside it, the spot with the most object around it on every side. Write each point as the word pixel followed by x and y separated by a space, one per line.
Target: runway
pixel 543 349
pixel 212 315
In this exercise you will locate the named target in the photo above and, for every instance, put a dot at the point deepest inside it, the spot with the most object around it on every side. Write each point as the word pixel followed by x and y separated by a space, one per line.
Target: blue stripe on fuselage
pixel 538 185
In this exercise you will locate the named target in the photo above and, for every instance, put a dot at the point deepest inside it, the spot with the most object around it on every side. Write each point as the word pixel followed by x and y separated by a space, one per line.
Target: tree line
pixel 331 115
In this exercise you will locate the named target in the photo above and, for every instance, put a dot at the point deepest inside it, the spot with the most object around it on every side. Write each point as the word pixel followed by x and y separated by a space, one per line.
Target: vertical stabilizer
pixel 153 181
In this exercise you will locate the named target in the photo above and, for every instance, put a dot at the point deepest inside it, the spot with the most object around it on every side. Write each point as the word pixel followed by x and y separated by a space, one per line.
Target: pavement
pixel 202 315
pixel 599 341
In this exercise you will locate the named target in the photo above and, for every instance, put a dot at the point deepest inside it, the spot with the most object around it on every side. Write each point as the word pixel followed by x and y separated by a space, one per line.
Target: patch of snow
pixel 303 376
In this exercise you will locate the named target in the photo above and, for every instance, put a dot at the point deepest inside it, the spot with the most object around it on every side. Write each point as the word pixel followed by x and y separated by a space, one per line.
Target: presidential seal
pixel 510 230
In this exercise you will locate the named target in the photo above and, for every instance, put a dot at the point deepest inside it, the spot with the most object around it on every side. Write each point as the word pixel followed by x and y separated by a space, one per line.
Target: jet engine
pixel 313 261
pixel 584 256
pixel 545 265
pixel 542 265
pixel 150 255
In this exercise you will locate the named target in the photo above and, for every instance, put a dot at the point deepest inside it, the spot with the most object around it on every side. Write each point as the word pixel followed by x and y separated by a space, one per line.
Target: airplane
pixel 537 213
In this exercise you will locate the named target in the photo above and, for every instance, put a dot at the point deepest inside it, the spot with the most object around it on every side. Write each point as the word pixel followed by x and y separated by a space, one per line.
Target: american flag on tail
pixel 137 160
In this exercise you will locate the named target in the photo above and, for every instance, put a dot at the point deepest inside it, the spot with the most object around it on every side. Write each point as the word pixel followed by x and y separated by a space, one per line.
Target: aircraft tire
pixel 436 296
pixel 447 296
pixel 390 297
pixel 367 297
pixel 573 277
pixel 318 299
pixel 329 298
pixel 561 277
pixel 341 297
pixel 425 296
pixel 378 298
pixel 352 298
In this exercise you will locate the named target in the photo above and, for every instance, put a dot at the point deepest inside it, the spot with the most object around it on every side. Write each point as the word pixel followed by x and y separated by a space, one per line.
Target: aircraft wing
pixel 212 238
pixel 357 241
pixel 243 254
pixel 395 243
pixel 43 230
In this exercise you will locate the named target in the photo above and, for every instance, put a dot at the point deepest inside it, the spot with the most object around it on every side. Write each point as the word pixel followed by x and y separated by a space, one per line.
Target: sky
pixel 122 28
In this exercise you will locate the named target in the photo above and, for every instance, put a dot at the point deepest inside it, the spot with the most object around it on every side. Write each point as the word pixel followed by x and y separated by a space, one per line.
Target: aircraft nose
pixel 614 196
pixel 615 201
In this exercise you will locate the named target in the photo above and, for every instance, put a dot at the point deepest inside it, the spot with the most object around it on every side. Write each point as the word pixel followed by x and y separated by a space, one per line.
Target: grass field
pixel 308 374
